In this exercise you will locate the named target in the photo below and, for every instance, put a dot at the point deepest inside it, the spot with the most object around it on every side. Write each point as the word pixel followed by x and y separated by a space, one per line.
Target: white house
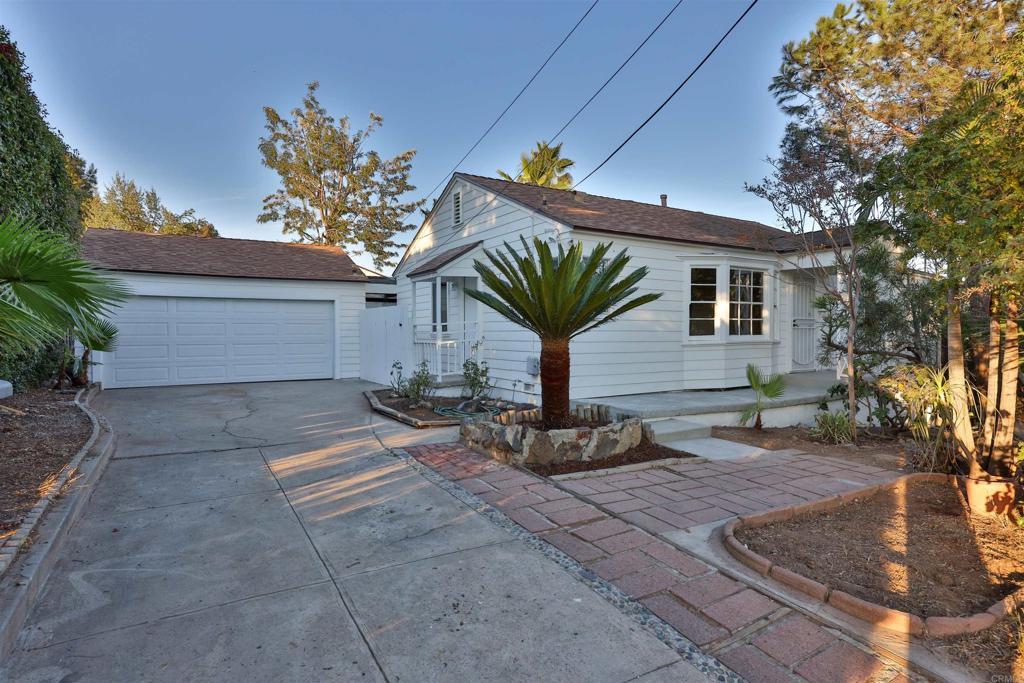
pixel 214 310
pixel 731 295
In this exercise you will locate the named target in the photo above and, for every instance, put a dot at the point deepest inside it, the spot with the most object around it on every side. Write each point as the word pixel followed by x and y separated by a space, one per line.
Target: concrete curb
pixel 28 566
pixel 402 417
pixel 635 467
pixel 871 612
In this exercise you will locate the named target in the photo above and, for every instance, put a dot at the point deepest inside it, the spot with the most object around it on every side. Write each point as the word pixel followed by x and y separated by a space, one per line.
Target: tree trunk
pixel 992 374
pixel 1001 463
pixel 851 373
pixel 554 382
pixel 958 384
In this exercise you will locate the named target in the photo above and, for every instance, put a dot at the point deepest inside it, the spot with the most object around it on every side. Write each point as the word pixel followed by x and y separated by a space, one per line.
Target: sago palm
pixel 765 387
pixel 558 297
pixel 544 166
pixel 46 289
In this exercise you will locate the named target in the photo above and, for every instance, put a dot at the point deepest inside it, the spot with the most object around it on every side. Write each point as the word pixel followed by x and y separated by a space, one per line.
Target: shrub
pixel 32 369
pixel 928 397
pixel 832 427
pixel 421 385
pixel 399 384
pixel 476 375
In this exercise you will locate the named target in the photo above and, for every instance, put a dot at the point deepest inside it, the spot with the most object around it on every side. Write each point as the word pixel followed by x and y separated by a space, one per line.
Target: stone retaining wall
pixel 508 440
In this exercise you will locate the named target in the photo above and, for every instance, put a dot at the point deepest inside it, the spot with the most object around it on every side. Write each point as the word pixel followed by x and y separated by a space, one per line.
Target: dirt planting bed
pixel 35 446
pixel 871 449
pixel 912 547
pixel 995 654
pixel 645 452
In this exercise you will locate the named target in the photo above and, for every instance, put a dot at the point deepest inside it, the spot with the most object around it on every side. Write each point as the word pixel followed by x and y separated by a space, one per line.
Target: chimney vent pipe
pixel 664 200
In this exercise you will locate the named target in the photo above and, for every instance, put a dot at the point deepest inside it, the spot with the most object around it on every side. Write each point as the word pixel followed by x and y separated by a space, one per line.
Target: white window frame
pixel 457 207
pixel 723 264
pixel 763 303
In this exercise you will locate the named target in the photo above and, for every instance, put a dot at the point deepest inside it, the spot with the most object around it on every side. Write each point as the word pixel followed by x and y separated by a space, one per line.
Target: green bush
pixel 32 369
pixel 477 376
pixel 421 385
pixel 832 427
pixel 35 163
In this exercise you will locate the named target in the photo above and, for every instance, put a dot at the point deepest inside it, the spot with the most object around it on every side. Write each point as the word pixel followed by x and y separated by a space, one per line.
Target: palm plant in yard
pixel 765 387
pixel 558 297
pixel 47 290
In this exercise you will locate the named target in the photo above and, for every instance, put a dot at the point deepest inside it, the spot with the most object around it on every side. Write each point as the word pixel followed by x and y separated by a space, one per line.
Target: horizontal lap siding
pixel 506 346
pixel 644 350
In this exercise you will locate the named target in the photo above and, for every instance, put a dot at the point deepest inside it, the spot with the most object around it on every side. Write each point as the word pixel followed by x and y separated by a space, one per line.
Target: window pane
pixel 745 277
pixel 702 311
pixel 758 312
pixel 744 327
pixel 758 278
pixel 745 294
pixel 745 313
pixel 703 293
pixel 734 277
pixel 758 294
pixel 756 327
pixel 702 328
pixel 734 327
pixel 703 276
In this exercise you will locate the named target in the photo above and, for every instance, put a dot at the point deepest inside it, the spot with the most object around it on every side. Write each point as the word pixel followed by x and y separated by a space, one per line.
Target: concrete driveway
pixel 263 533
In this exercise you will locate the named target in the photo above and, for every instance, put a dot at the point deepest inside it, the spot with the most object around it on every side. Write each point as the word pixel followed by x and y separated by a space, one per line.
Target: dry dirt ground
pixel 36 442
pixel 871 449
pixel 914 547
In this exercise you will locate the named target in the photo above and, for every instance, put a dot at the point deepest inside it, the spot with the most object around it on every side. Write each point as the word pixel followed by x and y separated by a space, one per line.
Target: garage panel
pixel 191 340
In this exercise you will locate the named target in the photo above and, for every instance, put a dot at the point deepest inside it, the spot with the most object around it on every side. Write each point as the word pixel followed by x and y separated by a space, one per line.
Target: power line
pixel 579 111
pixel 672 95
pixel 515 99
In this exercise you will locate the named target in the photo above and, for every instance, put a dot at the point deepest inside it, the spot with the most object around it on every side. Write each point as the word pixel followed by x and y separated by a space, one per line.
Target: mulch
pixel 645 452
pixel 34 448
pixel 405 405
pixel 997 652
pixel 913 547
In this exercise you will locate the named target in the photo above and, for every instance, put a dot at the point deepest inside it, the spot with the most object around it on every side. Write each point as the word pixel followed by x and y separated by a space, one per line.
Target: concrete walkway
pixel 261 532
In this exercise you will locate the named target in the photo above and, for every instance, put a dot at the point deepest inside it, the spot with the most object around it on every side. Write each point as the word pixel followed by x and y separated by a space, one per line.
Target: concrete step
pixel 714 449
pixel 676 429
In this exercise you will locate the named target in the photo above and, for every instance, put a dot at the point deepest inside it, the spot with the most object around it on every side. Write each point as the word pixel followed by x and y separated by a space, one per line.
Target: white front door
pixel 803 325
pixel 186 340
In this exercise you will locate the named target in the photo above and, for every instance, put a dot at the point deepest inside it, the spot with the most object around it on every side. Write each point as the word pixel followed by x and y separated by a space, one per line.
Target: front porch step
pixel 450 381
pixel 676 429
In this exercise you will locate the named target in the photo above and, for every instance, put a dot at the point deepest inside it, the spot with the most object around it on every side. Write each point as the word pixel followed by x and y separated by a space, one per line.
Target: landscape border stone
pixel 27 566
pixel 408 419
pixel 891 619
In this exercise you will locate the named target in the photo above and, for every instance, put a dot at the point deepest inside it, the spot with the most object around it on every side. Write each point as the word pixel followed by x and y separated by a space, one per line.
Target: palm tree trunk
pixel 1002 461
pixel 554 382
pixel 962 433
pixel 992 371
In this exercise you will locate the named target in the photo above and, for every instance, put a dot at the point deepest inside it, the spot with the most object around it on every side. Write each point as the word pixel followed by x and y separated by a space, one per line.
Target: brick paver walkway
pixel 758 637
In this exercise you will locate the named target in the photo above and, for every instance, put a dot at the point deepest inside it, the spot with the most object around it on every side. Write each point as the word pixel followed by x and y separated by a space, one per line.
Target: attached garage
pixel 257 311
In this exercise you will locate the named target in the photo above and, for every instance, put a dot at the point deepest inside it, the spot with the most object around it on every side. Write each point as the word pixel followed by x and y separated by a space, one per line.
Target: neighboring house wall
pixel 348 298
pixel 492 221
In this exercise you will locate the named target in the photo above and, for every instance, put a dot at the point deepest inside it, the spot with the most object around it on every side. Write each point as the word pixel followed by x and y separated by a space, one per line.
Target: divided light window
pixel 703 292
pixel 457 207
pixel 746 302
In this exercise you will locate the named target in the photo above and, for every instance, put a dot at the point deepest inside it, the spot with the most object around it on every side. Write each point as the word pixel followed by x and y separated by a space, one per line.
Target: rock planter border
pixel 408 419
pixel 508 440
pixel 879 615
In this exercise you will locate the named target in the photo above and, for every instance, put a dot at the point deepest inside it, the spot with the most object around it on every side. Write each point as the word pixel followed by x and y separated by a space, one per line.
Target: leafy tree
pixel 877 72
pixel 334 190
pixel 961 184
pixel 45 289
pixel 126 206
pixel 544 166
pixel 818 189
pixel 558 297
pixel 34 179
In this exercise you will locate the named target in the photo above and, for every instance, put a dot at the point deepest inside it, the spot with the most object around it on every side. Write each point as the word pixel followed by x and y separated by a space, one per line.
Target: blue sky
pixel 171 93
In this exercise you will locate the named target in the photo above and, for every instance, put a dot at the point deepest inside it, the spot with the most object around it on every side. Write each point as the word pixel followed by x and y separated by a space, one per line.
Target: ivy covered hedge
pixel 35 181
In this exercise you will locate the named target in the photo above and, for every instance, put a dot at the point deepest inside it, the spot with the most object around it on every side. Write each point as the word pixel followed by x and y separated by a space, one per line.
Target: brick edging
pixel 409 420
pixel 28 566
pixel 886 617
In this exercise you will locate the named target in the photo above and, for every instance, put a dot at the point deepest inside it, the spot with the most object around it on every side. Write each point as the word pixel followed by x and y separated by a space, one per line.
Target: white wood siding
pixel 493 221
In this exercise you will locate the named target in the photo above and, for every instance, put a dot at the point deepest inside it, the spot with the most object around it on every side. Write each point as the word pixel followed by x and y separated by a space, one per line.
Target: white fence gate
pixel 382 340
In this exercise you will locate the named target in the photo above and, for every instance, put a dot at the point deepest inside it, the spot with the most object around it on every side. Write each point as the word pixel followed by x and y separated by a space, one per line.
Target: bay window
pixel 726 301
pixel 703 295
pixel 746 302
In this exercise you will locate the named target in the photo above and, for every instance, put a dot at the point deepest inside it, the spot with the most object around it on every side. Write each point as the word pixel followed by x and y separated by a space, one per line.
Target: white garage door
pixel 178 340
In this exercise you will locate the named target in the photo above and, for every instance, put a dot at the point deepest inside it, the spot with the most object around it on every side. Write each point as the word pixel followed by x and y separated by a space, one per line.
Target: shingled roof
pixel 217 256
pixel 442 259
pixel 622 216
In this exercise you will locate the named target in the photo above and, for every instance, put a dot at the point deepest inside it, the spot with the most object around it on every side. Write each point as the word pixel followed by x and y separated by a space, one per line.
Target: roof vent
pixel 577 195
pixel 544 200
pixel 664 200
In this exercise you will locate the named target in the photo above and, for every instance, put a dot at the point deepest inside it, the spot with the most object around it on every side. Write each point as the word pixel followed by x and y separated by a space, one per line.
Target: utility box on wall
pixel 533 365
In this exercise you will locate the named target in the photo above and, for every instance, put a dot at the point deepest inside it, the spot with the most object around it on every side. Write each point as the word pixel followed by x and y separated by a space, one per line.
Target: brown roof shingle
pixel 445 257
pixel 606 214
pixel 217 256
